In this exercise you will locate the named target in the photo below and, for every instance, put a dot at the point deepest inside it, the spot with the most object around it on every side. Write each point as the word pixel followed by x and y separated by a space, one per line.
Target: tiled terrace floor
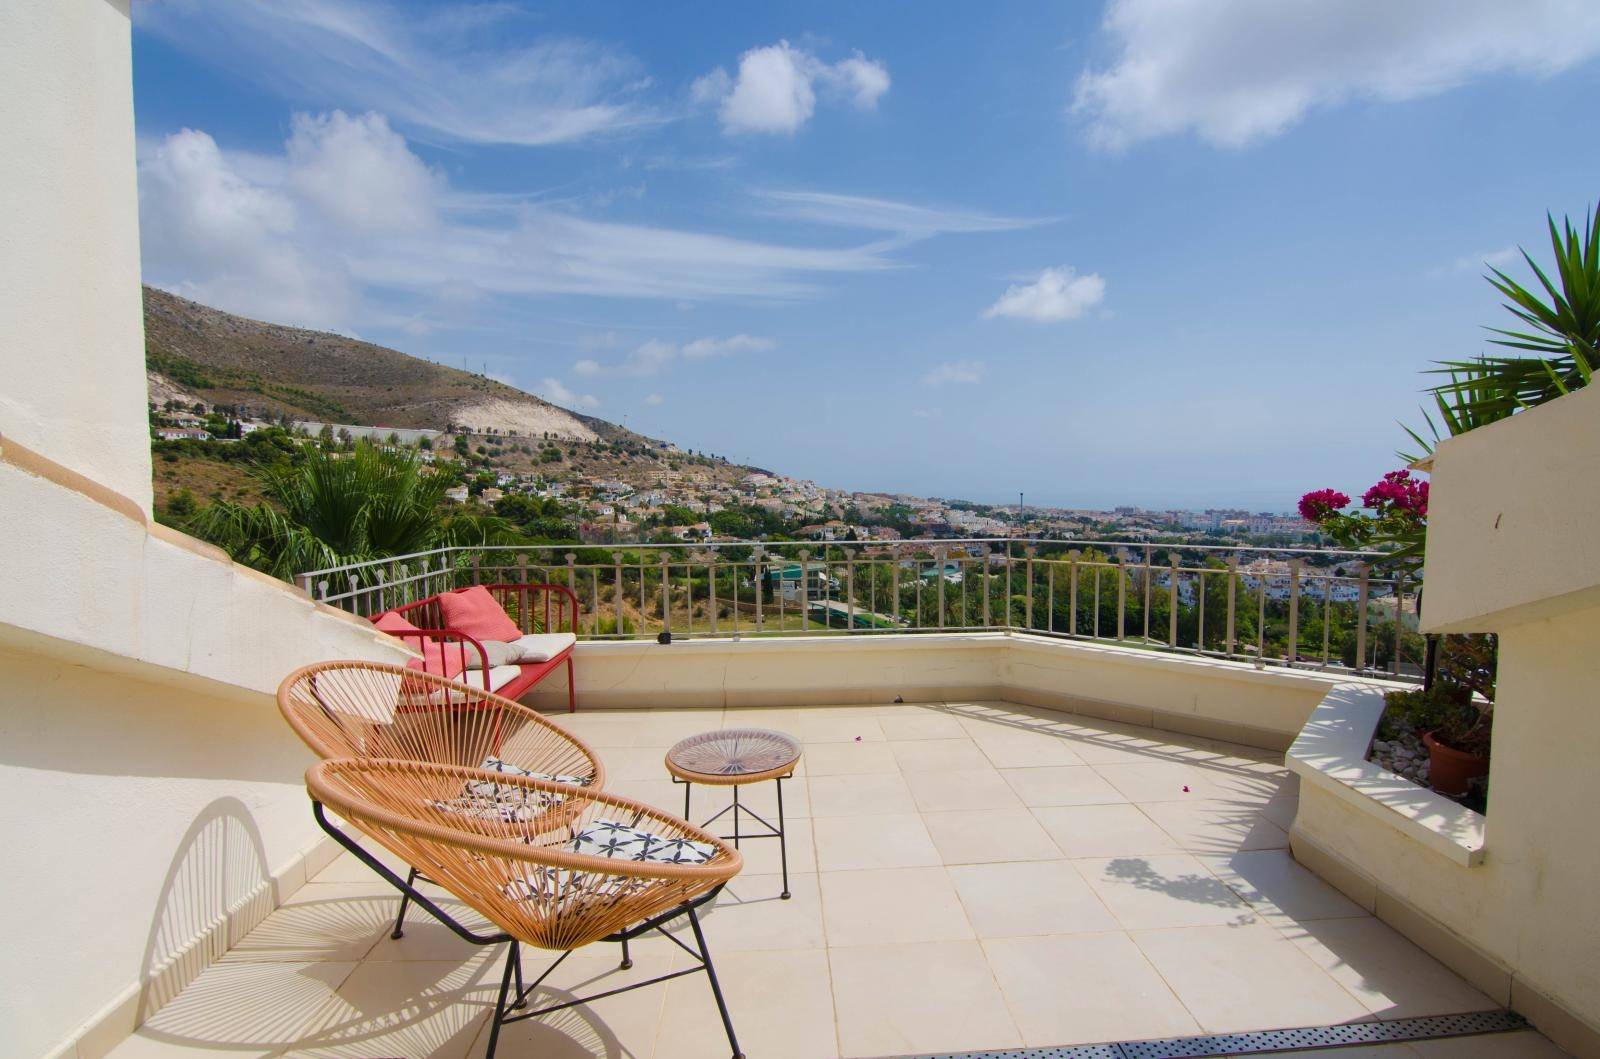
pixel 965 876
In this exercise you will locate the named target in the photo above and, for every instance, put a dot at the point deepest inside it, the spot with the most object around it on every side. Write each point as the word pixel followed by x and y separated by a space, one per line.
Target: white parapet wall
pixel 1208 697
pixel 1507 899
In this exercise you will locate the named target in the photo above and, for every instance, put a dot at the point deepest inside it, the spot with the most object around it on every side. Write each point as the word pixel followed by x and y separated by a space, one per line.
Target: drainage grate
pixel 1258 1042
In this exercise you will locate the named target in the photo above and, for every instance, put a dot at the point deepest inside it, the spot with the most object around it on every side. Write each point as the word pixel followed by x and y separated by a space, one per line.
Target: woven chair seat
pixel 539 882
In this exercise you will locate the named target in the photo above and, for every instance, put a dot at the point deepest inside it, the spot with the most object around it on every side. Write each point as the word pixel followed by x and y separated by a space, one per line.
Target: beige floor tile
pixel 961 789
pixel 938 755
pixel 762 855
pixel 1067 785
pixel 347 869
pixel 618 1027
pixel 1084 988
pixel 323 922
pixel 1158 781
pixel 922 725
pixel 748 915
pixel 1278 889
pixel 658 791
pixel 706 800
pixel 859 727
pixel 985 836
pixel 1281 811
pixel 1215 826
pixel 776 718
pixel 891 905
pixel 1029 898
pixel 242 1009
pixel 1169 890
pixel 849 759
pixel 635 763
pixel 895 840
pixel 1234 978
pixel 1103 830
pixel 1113 748
pixel 1012 751
pixel 1245 785
pixel 1387 973
pixel 926 997
pixel 663 732
pixel 867 794
pixel 1524 1045
pixel 1363 1051
pixel 426 1009
pixel 780 1003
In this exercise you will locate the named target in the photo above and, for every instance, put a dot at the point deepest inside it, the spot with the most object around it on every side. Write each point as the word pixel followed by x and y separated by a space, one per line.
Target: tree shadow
pixel 1189 886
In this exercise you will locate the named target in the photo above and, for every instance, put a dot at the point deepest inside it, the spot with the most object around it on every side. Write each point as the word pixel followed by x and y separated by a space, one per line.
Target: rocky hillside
pixel 202 353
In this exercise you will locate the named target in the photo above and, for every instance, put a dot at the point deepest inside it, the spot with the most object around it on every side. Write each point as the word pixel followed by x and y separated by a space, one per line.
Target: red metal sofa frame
pixel 535 608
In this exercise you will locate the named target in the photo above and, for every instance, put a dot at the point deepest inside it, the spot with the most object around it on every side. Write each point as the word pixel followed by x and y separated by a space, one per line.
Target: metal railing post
pixel 1027 612
pixel 1291 651
pixel 1399 625
pixel 1233 589
pixel 666 592
pixel 1072 601
pixel 711 580
pixel 1172 605
pixel 761 586
pixel 938 560
pixel 894 581
pixel 805 591
pixel 616 591
pixel 1365 586
pixel 1122 598
pixel 1148 572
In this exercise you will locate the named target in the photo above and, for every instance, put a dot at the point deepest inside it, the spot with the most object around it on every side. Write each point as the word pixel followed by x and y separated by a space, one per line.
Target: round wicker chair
pixel 351 709
pixel 544 887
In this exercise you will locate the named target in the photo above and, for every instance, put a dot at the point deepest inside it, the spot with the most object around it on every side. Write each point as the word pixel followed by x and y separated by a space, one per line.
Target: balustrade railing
pixel 1303 608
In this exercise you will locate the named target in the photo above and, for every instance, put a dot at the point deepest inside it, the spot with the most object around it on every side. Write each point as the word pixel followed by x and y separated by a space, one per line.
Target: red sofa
pixel 548 613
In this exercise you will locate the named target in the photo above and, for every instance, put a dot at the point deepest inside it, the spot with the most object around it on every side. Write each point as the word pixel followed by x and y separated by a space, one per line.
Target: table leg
pixel 736 816
pixel 687 787
pixel 783 841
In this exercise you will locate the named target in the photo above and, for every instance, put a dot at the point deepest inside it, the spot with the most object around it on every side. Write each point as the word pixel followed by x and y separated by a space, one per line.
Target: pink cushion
pixel 475 612
pixel 445 660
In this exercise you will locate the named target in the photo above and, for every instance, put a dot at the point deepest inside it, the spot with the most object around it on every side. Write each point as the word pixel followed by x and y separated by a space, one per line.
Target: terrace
pixel 1046 800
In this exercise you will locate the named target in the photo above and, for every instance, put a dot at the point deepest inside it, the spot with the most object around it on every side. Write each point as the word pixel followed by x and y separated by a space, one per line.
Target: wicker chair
pixel 556 889
pixel 349 709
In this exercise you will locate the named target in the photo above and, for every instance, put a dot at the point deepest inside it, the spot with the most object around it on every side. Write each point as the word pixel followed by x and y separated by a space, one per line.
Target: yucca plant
pixel 1559 337
pixel 334 508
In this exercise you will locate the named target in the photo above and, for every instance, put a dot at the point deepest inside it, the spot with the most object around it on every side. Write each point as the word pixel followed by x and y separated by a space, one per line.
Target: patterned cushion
pixel 609 838
pixel 507 802
pixel 506 812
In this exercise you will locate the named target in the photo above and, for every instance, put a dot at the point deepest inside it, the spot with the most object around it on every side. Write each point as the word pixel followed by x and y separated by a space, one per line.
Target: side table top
pixel 733 755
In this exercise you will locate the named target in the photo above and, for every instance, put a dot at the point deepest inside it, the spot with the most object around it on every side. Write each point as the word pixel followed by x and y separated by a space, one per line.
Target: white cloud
pixel 655 355
pixel 453 71
pixel 348 210
pixel 1506 255
pixel 777 87
pixel 701 348
pixel 886 215
pixel 959 372
pixel 555 392
pixel 1235 71
pixel 360 174
pixel 214 236
pixel 654 400
pixel 1058 294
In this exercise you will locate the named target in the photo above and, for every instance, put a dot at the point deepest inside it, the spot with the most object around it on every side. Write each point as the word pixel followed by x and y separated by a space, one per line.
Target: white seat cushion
pixel 499 677
pixel 542 646
pixel 608 838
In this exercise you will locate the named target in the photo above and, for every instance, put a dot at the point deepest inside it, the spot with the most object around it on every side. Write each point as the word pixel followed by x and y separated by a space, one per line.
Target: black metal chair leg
pixel 513 959
pixel 716 989
pixel 522 998
pixel 405 901
pixel 627 961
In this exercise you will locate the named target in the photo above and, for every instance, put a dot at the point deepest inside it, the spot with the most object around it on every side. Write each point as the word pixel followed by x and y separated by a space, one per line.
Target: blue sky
pixel 1158 252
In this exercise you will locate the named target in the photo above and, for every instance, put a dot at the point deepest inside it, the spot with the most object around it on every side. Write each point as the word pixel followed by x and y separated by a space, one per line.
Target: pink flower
pixel 1400 491
pixel 1316 505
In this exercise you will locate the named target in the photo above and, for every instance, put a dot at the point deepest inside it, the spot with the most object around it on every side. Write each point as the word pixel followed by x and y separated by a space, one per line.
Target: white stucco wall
pixel 71 319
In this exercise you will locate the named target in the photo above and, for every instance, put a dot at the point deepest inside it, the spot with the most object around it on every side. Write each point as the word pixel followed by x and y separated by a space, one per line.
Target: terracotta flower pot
pixel 1449 769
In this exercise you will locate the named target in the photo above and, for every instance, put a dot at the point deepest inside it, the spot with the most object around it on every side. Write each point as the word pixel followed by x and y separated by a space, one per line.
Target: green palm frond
pixel 1559 344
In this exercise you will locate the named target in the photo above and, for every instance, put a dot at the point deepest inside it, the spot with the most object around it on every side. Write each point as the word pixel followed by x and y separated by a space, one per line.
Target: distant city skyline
pixel 1192 260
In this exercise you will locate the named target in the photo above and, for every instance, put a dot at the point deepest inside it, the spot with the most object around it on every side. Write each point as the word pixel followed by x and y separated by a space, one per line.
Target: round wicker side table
pixel 733 757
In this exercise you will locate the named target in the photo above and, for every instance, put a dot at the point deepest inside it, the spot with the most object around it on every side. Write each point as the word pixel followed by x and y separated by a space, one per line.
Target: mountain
pixel 195 351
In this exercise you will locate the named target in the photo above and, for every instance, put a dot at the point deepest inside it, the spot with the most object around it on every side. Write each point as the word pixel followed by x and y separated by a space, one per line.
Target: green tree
pixel 327 511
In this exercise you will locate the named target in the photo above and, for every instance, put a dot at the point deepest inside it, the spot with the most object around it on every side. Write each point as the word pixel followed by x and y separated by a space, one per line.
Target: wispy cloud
pixel 776 88
pixel 885 215
pixel 1236 71
pixel 1476 263
pixel 656 355
pixel 1057 294
pixel 554 391
pixel 958 372
pixel 654 400
pixel 467 72
pixel 348 208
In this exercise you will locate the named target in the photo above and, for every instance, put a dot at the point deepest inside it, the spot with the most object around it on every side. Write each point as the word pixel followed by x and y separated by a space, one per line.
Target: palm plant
pixel 335 508
pixel 1559 336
